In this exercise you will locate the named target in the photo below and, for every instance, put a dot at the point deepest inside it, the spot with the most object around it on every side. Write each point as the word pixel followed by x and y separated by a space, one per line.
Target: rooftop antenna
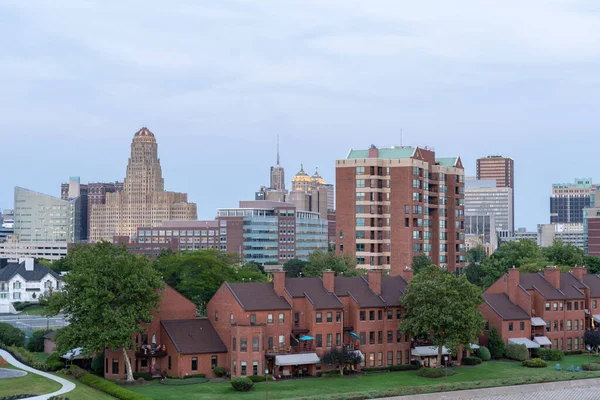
pixel 278 150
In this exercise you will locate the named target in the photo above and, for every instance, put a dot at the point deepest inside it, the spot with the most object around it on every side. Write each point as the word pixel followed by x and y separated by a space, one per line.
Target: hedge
pixel 551 354
pixel 144 375
pixel 471 360
pixel 535 363
pixel 573 353
pixel 110 388
pixel 435 372
pixel 590 367
pixel 517 352
pixel 483 353
pixel 242 384
pixel 17 396
pixel 402 367
pixel 194 376
pixel 219 372
pixel 53 362
pixel 58 398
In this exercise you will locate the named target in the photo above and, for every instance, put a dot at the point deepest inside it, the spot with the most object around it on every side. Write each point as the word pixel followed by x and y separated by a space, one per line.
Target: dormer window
pixel 17 285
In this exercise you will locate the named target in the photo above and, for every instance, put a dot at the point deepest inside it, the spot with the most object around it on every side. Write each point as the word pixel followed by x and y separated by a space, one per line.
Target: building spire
pixel 278 150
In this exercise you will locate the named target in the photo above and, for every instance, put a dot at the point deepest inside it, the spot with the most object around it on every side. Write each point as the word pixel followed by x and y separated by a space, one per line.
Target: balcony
pixel 148 351
pixel 302 347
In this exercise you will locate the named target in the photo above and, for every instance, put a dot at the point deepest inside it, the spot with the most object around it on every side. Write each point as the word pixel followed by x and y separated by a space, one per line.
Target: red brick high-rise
pixel 396 202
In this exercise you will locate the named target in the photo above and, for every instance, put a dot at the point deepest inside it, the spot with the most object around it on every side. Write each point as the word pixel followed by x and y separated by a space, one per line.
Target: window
pixel 270 343
pixel 560 306
pixel 360 183
pixel 269 318
pixel 576 344
pixel 390 336
pixel 380 358
pixel 144 338
pixel 252 319
pixel 399 313
pixel 555 344
pixel 319 340
pixel 576 303
pixel 319 317
pixel 363 315
pixel 390 358
pixel 255 344
pixel 234 345
pixel 582 305
pixel 390 314
pixel 547 306
pixel 371 337
pixel 16 295
pixel 371 359
pixel 487 325
pixel 329 340
pixel 194 363
pixel 231 318
pixel 234 368
pixel 338 316
pixel 372 315
pixel 329 317
pixel 380 337
pixel 380 315
pixel 576 325
pixel 360 170
pixel 510 326
pixel 243 368
pixel 363 338
pixel 594 304
pixel 169 363
pixel 281 318
pixel 569 343
pixel 522 325
pixel 569 327
pixel 115 366
pixel 399 357
pixel 398 336
pixel 17 285
pixel 569 306
pixel 144 361
pixel 243 345
pixel 555 307
pixel 338 339
pixel 548 327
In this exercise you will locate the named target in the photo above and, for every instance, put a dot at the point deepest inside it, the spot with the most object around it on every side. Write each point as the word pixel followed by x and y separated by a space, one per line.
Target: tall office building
pixel 483 197
pixel 39 217
pixel 502 170
pixel 143 201
pixel 568 200
pixel 393 203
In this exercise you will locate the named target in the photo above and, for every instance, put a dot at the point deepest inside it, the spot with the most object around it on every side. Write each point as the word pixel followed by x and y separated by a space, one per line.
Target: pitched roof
pixel 384 153
pixel 501 304
pixel 537 281
pixel 194 336
pixel 258 296
pixel 50 335
pixel 447 161
pixel 358 288
pixel 313 289
pixel 39 271
pixel 571 286
pixel 593 282
pixel 392 289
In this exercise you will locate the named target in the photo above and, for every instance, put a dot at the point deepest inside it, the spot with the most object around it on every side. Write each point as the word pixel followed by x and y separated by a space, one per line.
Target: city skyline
pixel 403 74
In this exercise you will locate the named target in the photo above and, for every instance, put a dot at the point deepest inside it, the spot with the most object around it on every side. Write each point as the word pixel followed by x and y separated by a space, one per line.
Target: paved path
pixel 6 373
pixel 584 389
pixel 67 386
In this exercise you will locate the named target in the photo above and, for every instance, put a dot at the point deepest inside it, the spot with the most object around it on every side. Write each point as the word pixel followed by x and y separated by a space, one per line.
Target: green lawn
pixel 28 384
pixel 34 310
pixel 84 392
pixel 41 356
pixel 377 384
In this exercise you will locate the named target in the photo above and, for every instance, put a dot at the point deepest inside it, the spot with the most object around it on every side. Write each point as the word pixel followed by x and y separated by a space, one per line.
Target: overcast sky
pixel 218 81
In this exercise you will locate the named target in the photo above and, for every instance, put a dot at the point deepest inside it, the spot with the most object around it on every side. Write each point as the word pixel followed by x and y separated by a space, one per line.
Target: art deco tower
pixel 277 174
pixel 144 201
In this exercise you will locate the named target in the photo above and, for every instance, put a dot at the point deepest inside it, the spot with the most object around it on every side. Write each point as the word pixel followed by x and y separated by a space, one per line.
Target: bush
pixel 58 398
pixel 535 363
pixel 496 344
pixel 11 336
pixel 551 355
pixel 54 363
pixel 431 372
pixel 483 353
pixel 517 352
pixel 590 367
pixel 402 367
pixel 76 372
pixel 144 375
pixel 110 388
pixel 473 360
pixel 169 376
pixel 329 374
pixel 29 359
pixel 17 396
pixel 258 378
pixel 219 372
pixel 36 342
pixel 573 353
pixel 98 364
pixel 242 384
pixel 194 376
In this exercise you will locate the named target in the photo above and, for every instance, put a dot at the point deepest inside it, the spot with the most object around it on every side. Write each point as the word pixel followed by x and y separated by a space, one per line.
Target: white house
pixel 25 281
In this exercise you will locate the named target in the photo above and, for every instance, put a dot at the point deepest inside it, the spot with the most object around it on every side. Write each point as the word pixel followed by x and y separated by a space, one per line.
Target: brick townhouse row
pixel 549 309
pixel 256 327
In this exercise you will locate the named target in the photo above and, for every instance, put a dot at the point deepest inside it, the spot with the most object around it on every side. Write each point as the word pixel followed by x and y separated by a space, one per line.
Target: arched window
pixel 48 284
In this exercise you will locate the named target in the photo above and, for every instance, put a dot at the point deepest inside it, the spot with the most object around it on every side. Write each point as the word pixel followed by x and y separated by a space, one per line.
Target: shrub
pixel 17 396
pixel 58 398
pixel 11 336
pixel 194 376
pixel 144 375
pixel 471 360
pixel 98 364
pixel 242 384
pixel 110 388
pixel 573 353
pixel 402 367
pixel 54 362
pixel 219 372
pixel 496 344
pixel 535 363
pixel 258 378
pixel 590 367
pixel 517 352
pixel 329 374
pixel 36 342
pixel 551 355
pixel 483 353
pixel 76 372
pixel 431 372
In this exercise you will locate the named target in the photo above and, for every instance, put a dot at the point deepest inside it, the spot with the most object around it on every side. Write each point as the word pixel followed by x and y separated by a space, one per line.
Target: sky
pixel 218 81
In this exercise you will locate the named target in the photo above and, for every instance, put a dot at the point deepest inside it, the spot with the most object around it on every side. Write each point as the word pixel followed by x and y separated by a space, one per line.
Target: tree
pixel 108 294
pixel 320 261
pixel 11 336
pixel 476 256
pixel 443 309
pixel 592 339
pixel 294 268
pixel 36 342
pixel 496 344
pixel 341 357
pixel 563 254
pixel 420 262
pixel 592 263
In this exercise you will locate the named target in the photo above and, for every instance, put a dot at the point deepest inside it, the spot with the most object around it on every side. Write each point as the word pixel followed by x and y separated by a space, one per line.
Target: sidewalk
pixel 66 385
pixel 518 390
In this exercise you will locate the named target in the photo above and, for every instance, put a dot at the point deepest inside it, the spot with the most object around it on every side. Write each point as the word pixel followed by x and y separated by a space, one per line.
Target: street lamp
pixel 446 362
pixel 267 383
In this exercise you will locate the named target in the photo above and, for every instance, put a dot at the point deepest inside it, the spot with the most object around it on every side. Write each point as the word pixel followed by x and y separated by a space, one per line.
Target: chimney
pixel 374 279
pixel 407 273
pixel 373 152
pixel 328 280
pixel 579 272
pixel 28 264
pixel 279 282
pixel 552 275
pixel 514 278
